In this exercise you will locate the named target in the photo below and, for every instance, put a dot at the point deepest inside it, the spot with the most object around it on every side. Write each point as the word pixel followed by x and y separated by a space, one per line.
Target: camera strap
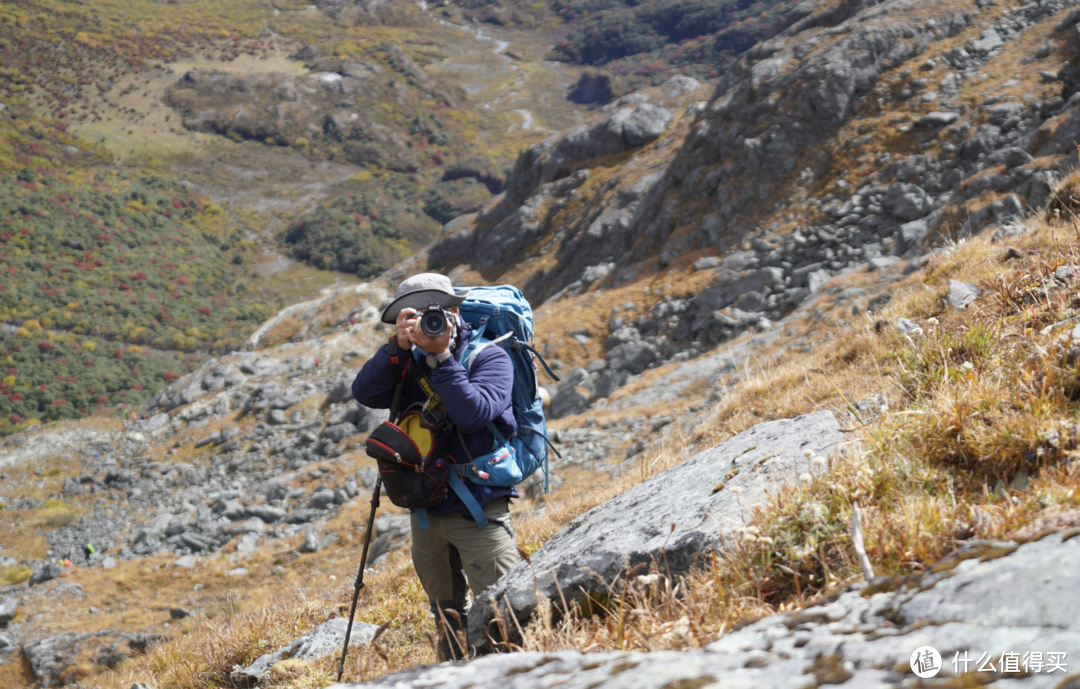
pixel 433 401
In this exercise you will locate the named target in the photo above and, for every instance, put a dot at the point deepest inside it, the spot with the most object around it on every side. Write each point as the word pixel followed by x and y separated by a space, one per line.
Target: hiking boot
pixel 453 626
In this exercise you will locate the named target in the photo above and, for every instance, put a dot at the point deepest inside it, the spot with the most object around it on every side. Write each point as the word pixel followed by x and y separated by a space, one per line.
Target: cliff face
pixel 861 133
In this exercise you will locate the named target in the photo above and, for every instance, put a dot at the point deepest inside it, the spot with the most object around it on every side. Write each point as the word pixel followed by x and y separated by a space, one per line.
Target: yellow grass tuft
pixel 57 513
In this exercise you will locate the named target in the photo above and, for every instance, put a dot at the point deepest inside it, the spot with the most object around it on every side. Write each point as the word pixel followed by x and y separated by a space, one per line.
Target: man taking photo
pixel 459 407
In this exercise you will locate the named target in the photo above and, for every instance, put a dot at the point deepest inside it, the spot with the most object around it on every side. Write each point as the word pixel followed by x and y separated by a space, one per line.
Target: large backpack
pixel 501 316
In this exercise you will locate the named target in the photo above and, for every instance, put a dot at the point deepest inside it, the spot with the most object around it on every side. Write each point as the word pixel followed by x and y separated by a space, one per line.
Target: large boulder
pixel 683 512
pixel 633 357
pixel 573 395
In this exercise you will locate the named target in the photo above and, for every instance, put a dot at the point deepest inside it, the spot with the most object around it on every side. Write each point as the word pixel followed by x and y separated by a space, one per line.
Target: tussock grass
pixel 57 513
pixel 17 574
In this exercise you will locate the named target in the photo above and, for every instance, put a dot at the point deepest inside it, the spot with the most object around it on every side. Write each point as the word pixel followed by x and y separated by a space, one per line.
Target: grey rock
pixel 341 392
pixel 634 527
pixel 961 294
pixel 725 288
pixel 46 572
pixel 737 262
pixel 706 263
pixel 346 413
pixel 907 327
pixel 817 280
pixel 50 657
pixel 573 394
pixel 645 124
pixel 750 301
pixel 267 513
pixel 597 273
pixel 936 119
pixel 8 608
pixel 179 613
pixel 622 335
pixel 882 262
pixel 206 440
pixel 634 357
pixel 339 432
pixel 679 84
pixel 911 235
pixel 303 516
pixel 246 526
pixel 321 499
pixel 1067 272
pixel 311 542
pixel 7 641
pixel 990 41
pixel 276 417
pixel 155 422
pixel 1011 157
pixel 910 204
pixel 609 381
pixel 326 639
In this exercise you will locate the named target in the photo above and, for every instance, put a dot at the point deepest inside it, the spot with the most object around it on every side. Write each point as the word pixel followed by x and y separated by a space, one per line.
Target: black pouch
pixel 389 443
pixel 411 480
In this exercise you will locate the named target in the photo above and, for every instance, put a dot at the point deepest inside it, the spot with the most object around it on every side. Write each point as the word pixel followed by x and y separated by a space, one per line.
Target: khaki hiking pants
pixel 484 554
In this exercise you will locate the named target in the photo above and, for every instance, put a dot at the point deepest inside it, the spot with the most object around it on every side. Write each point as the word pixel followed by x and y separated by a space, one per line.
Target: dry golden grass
pixel 56 513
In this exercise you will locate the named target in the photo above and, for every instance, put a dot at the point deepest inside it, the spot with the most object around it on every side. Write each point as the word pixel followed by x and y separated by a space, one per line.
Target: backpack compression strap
pixel 466 497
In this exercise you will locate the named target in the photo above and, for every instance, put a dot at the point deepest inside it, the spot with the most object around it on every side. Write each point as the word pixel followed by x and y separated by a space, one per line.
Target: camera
pixel 434 321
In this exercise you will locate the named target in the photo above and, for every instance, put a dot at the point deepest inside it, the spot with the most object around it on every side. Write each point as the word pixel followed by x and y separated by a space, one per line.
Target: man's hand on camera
pixel 431 345
pixel 405 322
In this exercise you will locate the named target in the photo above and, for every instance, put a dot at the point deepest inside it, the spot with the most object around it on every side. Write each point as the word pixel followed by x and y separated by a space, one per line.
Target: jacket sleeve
pixel 374 385
pixel 473 400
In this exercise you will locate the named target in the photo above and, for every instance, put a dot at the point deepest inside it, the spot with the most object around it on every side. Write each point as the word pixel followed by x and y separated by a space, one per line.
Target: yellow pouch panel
pixel 423 437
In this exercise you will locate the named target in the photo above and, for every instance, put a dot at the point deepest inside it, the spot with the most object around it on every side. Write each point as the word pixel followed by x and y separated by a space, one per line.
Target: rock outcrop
pixel 998 612
pixel 326 639
pixel 678 515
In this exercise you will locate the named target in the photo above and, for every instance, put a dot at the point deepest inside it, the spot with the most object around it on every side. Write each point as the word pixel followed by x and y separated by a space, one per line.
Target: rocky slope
pixel 862 134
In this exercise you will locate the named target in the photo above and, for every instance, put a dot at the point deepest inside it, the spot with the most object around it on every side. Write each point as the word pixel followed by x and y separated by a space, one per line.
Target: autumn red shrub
pixel 170 376
pixel 45 346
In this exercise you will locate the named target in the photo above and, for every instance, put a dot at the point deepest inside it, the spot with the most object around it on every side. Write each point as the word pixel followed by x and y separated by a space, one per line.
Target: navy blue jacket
pixel 473 401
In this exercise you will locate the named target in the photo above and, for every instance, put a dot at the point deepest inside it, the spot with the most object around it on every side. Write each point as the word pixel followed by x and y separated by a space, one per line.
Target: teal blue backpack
pixel 501 316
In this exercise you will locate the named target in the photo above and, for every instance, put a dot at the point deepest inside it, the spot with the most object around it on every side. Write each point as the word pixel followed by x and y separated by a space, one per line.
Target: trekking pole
pixel 359 584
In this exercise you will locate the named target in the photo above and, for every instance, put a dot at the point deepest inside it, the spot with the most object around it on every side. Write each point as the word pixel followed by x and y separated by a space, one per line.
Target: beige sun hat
pixel 421 291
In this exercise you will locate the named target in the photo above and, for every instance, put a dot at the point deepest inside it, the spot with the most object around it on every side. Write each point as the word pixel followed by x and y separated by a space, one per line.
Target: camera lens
pixel 433 323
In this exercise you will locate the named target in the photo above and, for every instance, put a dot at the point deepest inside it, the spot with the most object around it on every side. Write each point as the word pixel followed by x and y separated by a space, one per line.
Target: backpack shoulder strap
pixel 401 372
pixel 395 359
pixel 474 351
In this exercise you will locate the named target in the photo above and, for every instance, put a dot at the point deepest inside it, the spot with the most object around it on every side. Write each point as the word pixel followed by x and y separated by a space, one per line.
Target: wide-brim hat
pixel 421 291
